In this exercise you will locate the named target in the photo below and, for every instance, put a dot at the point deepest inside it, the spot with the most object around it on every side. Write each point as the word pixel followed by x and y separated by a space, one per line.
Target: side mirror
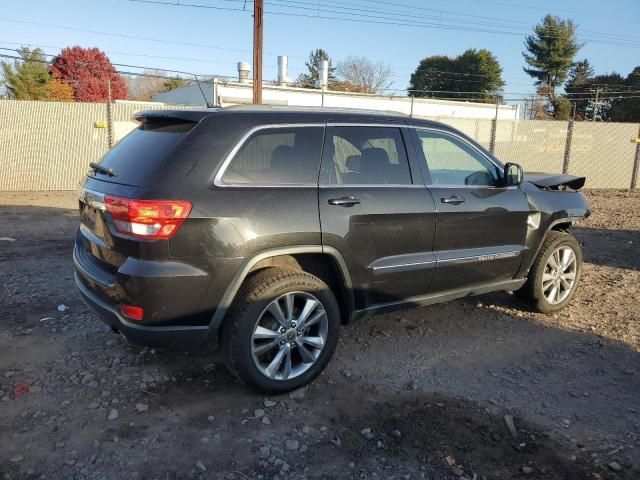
pixel 513 174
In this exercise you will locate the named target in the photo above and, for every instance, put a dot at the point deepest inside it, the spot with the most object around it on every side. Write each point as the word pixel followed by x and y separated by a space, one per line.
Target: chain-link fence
pixel 45 145
pixel 605 153
pixel 48 145
pixel 608 154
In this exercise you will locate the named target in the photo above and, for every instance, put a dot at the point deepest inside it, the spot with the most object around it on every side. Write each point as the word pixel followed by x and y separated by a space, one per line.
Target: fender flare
pixel 526 264
pixel 234 286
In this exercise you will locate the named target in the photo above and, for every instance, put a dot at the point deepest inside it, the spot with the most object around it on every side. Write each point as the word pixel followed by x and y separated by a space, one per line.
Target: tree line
pixel 476 75
pixel 77 74
pixel 550 57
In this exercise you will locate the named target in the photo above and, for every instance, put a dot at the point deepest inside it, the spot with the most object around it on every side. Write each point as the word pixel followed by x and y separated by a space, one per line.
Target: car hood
pixel 554 181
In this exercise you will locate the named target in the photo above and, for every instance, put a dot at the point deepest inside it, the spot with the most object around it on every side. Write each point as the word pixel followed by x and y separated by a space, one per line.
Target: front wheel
pixel 282 331
pixel 555 273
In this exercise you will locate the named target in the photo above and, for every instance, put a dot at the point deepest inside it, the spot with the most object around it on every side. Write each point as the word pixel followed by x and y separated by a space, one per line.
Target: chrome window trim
pixel 218 182
pixel 471 187
pixel 217 179
pixel 371 185
pixel 463 140
pixel 266 185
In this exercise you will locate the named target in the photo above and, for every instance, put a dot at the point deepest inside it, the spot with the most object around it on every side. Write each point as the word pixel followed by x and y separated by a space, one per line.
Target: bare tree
pixel 143 87
pixel 367 76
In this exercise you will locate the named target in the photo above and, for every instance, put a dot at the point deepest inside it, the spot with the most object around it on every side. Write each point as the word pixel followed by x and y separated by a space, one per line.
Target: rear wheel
pixel 555 274
pixel 282 330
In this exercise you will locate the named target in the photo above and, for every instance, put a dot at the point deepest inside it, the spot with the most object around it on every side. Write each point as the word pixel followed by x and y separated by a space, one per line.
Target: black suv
pixel 265 229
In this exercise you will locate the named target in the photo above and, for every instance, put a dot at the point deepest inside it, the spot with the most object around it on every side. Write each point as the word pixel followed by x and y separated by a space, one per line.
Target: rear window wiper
pixel 96 167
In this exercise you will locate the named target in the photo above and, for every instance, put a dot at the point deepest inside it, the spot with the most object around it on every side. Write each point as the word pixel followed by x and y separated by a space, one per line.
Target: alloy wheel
pixel 289 335
pixel 559 276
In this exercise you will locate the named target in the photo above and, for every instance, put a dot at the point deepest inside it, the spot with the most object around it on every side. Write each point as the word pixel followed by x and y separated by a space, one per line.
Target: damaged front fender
pixel 554 203
pixel 546 181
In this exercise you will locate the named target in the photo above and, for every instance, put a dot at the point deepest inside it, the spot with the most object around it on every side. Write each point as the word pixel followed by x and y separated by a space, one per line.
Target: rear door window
pixel 368 156
pixel 142 150
pixel 277 156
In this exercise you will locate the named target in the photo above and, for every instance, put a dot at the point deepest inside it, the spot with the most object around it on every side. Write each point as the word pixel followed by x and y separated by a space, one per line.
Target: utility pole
pixel 636 164
pixel 494 127
pixel 595 104
pixel 110 135
pixel 567 145
pixel 257 51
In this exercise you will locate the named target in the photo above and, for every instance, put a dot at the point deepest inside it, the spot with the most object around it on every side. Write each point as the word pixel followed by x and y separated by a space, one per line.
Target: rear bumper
pixel 174 337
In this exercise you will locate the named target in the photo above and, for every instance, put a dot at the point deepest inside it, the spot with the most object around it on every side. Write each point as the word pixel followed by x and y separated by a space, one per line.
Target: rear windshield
pixel 138 153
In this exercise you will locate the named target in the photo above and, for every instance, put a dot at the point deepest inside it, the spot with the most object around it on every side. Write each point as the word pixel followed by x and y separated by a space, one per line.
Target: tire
pixel 252 327
pixel 534 291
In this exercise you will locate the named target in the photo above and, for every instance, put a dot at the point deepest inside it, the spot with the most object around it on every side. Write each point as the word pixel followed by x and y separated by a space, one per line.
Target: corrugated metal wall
pixel 48 145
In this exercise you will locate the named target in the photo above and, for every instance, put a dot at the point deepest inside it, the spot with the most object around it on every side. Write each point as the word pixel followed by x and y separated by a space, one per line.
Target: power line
pixel 162 57
pixel 597 84
pixel 132 37
pixel 537 8
pixel 196 76
pixel 505 23
pixel 368 18
pixel 590 94
pixel 123 65
pixel 505 96
pixel 415 7
pixel 440 75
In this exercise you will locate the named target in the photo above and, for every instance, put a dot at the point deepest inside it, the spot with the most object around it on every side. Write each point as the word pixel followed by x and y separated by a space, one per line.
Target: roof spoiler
pixel 170 116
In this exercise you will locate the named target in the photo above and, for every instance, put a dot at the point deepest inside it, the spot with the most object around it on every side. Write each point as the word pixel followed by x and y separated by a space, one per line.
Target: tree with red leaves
pixel 90 73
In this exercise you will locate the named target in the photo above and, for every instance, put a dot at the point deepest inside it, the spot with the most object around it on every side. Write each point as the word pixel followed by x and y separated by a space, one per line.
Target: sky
pixel 212 40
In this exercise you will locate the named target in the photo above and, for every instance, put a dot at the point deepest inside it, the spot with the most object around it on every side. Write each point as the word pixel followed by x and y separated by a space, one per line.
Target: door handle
pixel 453 200
pixel 344 201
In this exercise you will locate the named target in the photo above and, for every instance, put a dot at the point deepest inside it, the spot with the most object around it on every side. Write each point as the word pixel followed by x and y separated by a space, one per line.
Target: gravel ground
pixel 421 393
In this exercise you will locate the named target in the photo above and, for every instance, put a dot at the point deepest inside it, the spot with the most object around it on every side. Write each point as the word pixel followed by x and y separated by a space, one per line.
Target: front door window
pixel 453 162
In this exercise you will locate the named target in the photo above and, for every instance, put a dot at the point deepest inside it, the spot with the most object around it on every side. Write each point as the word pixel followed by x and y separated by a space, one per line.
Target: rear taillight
pixel 134 313
pixel 155 219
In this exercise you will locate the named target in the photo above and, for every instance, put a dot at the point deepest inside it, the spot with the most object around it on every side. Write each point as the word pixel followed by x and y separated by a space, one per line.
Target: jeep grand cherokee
pixel 262 230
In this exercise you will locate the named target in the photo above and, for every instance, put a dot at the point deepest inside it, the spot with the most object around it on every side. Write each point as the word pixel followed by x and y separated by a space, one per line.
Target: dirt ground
pixel 432 384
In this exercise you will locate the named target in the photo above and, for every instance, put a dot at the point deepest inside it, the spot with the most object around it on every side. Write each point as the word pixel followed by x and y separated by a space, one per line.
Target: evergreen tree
pixel 310 80
pixel 549 54
pixel 28 78
pixel 626 109
pixel 578 87
pixel 172 83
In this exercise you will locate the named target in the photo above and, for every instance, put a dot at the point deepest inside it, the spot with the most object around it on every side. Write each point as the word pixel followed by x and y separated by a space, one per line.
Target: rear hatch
pixel 101 244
